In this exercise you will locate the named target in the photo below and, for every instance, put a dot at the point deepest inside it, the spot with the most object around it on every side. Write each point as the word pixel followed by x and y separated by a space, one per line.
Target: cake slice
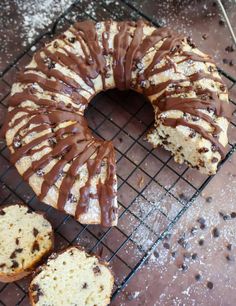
pixel 72 277
pixel 26 237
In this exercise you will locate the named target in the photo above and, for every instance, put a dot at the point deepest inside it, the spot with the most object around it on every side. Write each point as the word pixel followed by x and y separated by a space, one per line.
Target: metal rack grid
pixel 151 198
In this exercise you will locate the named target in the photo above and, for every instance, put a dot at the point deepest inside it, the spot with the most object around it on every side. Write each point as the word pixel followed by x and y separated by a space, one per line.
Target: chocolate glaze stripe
pixel 189 106
pixel 94 166
pixel 24 150
pixel 52 176
pixel 50 71
pixel 130 54
pixel 207 99
pixel 46 84
pixel 106 37
pixel 121 44
pixel 106 191
pixel 172 122
pixel 168 47
pixel 150 41
pixel 203 75
pixel 195 57
pixel 63 144
pixel 73 62
pixel 89 35
pixel 72 173
pixel 165 67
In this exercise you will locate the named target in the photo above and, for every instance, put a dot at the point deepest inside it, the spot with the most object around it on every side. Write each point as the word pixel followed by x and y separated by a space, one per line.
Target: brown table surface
pixel 146 177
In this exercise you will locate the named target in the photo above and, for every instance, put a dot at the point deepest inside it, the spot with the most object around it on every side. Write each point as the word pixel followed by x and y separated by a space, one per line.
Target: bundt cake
pixel 48 136
pixel 26 238
pixel 70 278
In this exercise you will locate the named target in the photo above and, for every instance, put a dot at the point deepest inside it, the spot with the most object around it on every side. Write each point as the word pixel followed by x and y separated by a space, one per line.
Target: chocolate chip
pixel 35 232
pixel 229 48
pixel 156 254
pixel 2 212
pixel 17 241
pixel 71 39
pixel 96 270
pixel 194 256
pixel 14 264
pixel 214 148
pixel 204 36
pixel 72 198
pixel 211 69
pixel 193 230
pixel 173 254
pixel 165 142
pixel 85 286
pixel 221 22
pixel 2 265
pixel 215 232
pixel 198 277
pixel 183 197
pixel 192 134
pixel 187 255
pixel 226 217
pixel 55 45
pixel 202 226
pixel 201 220
pixel 225 61
pixel 184 267
pixel 51 65
pixel 190 42
pixel 52 141
pixel 229 257
pixel 166 245
pixel 209 199
pixel 202 223
pixel 13 254
pixel 35 246
pixel 37 290
pixel 182 242
pixel 203 150
pixel 201 242
pixel 17 141
pixel 233 215
pixel 214 160
pixel 40 172
pixel 209 285
pixel 229 246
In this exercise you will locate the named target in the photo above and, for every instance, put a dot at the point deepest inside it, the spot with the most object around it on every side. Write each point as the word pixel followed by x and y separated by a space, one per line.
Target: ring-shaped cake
pixel 48 136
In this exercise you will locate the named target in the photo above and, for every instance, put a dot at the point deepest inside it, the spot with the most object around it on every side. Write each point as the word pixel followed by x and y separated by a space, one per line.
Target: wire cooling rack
pixel 153 190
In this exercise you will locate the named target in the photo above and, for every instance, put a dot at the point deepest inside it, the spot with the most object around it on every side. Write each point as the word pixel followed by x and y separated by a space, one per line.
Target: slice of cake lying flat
pixel 26 238
pixel 72 277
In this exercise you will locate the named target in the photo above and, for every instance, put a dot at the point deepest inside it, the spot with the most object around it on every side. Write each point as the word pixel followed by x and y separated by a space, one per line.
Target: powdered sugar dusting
pixel 28 19
pixel 38 15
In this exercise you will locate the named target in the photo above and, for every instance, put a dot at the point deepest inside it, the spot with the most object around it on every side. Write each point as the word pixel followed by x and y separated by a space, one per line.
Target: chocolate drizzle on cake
pixel 73 144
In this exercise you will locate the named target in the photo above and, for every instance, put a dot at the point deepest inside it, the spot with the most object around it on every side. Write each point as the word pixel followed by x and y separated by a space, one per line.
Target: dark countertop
pixel 144 174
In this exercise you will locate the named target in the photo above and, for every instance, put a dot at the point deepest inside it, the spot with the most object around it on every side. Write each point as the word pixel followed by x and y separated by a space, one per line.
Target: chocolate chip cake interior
pixel 26 238
pixel 47 133
pixel 72 277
